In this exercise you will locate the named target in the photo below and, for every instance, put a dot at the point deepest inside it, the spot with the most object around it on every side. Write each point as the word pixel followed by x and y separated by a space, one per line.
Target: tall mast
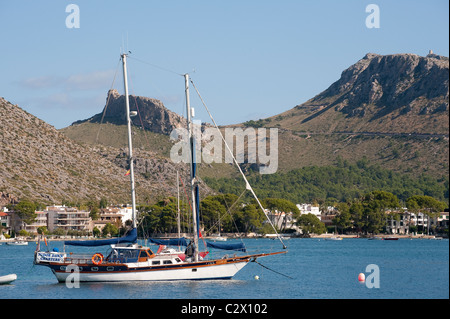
pixel 178 206
pixel 193 169
pixel 130 145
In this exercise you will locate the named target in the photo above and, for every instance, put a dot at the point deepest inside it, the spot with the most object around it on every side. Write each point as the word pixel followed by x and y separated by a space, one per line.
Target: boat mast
pixel 192 162
pixel 130 146
pixel 178 206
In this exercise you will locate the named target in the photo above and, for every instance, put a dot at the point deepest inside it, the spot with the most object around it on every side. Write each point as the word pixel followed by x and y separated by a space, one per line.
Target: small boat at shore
pixel 17 243
pixel 4 280
pixel 390 238
pixel 334 238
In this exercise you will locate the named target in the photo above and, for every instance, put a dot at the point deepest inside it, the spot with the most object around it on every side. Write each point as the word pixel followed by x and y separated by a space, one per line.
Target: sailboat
pixel 126 260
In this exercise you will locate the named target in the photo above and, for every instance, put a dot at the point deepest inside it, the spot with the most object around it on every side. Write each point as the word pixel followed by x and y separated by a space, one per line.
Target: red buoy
pixel 361 277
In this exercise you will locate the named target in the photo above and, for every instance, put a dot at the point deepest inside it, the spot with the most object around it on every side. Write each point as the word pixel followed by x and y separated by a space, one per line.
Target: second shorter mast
pixel 194 191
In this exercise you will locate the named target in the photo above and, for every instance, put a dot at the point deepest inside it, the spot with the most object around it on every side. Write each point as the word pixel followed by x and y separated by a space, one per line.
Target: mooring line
pixel 254 260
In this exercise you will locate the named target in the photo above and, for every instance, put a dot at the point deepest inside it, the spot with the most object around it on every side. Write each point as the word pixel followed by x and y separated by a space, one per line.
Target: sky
pixel 249 59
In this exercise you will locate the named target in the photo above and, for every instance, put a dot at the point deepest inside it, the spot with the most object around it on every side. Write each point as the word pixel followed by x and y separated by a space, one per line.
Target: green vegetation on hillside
pixel 340 183
pixel 218 213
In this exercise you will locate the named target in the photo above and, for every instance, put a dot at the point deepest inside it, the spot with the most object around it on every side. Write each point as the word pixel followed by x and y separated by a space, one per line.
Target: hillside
pixel 331 184
pixel 399 93
pixel 38 162
pixel 392 109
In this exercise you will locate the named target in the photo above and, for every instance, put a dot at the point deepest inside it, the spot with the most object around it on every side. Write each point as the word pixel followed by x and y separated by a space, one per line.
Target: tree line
pixel 229 213
pixel 371 213
pixel 222 213
pixel 331 184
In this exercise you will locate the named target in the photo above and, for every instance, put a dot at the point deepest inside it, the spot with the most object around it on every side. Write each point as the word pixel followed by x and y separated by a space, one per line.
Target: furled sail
pixel 130 238
pixel 169 242
pixel 227 246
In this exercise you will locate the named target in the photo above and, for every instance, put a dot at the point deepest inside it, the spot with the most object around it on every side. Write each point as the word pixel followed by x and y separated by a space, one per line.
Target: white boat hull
pixel 17 243
pixel 7 279
pixel 67 269
pixel 225 271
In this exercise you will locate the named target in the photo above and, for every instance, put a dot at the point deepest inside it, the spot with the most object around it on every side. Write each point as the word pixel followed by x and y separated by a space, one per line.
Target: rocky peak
pixel 382 84
pixel 152 114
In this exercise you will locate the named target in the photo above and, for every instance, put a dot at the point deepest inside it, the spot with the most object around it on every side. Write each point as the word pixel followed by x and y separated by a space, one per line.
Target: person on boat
pixel 189 252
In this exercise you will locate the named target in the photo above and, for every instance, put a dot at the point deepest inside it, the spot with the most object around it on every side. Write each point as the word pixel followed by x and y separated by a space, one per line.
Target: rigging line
pixel 277 272
pixel 247 184
pixel 184 189
pixel 229 212
pixel 156 66
pixel 107 102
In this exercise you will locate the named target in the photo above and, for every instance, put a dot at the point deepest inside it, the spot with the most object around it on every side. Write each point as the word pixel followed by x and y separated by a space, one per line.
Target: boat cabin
pixel 130 254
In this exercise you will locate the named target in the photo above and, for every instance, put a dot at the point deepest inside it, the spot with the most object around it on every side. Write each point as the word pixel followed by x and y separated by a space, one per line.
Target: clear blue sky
pixel 252 58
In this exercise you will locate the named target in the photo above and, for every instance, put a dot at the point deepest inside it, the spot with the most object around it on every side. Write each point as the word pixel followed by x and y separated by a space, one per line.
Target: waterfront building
pixel 40 221
pixel 109 215
pixel 118 215
pixel 5 222
pixel 68 218
pixel 309 209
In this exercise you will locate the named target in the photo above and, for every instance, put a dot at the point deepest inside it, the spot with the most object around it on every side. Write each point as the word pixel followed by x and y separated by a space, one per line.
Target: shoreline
pixel 322 236
pixel 419 236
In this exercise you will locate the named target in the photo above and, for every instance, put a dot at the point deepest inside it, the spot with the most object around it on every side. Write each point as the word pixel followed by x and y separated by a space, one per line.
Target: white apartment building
pixel 68 218
pixel 309 209
pixel 41 221
pixel 420 220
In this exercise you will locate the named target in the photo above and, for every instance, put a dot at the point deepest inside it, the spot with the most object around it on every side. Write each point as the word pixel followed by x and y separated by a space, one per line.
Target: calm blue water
pixel 409 269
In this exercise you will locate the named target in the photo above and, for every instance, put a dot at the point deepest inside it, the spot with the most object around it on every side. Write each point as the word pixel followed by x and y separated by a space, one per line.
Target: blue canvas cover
pixel 227 246
pixel 130 238
pixel 170 242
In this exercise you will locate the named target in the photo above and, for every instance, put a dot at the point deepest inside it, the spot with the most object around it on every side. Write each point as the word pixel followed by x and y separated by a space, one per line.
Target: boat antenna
pixel 130 145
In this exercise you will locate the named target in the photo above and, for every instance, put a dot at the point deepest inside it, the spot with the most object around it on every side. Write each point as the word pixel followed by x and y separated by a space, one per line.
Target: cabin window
pixel 94 268
pixel 110 268
pixel 167 262
pixel 143 254
pixel 178 260
pixel 128 255
pixel 156 262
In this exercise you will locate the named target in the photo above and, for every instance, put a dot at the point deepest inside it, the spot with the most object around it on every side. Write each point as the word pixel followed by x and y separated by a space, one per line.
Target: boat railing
pixel 79 259
pixel 87 259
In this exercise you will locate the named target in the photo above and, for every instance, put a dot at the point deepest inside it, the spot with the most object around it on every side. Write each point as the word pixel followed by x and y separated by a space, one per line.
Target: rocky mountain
pixel 398 93
pixel 406 83
pixel 154 115
pixel 391 109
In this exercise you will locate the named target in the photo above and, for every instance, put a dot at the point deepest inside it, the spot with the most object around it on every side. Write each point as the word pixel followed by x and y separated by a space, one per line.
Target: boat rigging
pixel 126 260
